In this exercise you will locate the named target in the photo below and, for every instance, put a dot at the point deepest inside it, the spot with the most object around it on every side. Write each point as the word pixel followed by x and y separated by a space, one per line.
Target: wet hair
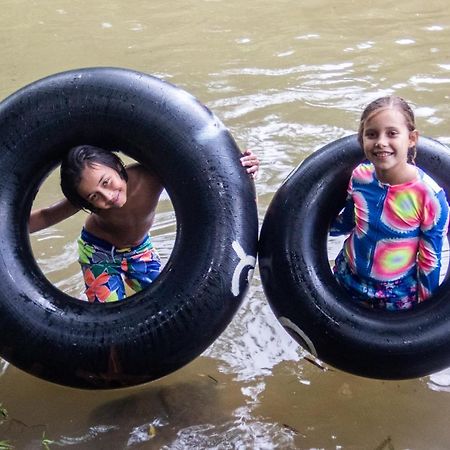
pixel 394 102
pixel 73 164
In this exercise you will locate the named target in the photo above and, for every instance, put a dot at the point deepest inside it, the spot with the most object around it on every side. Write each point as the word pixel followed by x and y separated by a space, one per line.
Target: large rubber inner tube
pixel 305 296
pixel 61 339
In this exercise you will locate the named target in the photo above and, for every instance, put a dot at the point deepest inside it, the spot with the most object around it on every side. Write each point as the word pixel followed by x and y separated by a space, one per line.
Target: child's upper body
pixel 396 214
pixel 396 230
pixel 122 200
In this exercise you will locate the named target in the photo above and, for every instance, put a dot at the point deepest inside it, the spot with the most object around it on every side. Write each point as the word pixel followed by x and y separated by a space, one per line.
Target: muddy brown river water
pixel 286 77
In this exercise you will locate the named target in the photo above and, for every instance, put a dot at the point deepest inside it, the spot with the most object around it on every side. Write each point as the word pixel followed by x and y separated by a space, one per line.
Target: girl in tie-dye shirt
pixel 396 214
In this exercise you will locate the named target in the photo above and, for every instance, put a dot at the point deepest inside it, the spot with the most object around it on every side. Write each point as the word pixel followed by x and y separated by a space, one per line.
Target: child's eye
pixel 92 197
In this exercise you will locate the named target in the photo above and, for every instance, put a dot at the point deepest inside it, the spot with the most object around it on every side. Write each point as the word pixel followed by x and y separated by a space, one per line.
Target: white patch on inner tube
pixel 245 260
pixel 211 131
pixel 308 344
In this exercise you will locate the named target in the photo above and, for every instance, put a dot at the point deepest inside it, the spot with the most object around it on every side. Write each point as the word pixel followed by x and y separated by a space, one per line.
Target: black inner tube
pixel 58 338
pixel 306 298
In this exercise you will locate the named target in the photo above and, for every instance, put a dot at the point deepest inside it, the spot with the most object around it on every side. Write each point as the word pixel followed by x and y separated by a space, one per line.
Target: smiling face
pixel 102 187
pixel 386 140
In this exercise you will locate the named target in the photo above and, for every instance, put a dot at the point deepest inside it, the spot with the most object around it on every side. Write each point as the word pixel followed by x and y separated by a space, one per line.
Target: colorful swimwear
pixel 393 254
pixel 105 266
pixel 389 295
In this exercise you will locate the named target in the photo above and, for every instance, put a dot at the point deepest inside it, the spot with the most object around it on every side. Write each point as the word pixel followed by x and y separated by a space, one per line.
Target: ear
pixel 413 138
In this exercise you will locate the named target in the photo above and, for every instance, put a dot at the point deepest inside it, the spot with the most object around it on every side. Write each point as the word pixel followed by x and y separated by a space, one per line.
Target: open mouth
pixel 382 154
pixel 115 199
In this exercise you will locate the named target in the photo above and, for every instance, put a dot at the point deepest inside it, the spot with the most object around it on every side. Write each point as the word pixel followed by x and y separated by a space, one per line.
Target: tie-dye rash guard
pixel 396 236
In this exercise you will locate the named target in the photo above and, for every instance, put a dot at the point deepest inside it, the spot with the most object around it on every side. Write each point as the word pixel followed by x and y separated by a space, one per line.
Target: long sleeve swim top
pixel 396 231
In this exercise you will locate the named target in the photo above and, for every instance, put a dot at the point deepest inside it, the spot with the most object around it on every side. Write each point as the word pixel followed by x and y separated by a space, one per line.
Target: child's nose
pixel 106 194
pixel 381 142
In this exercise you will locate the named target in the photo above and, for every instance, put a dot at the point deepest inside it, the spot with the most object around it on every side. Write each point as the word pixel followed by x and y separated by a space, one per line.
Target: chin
pixel 120 204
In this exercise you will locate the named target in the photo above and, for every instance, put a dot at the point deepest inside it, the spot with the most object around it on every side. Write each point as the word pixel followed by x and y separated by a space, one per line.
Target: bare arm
pixel 46 217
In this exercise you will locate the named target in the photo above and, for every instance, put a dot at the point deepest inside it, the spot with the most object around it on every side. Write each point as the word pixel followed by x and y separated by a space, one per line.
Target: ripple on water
pixel 237 434
pixel 440 381
pixel 254 343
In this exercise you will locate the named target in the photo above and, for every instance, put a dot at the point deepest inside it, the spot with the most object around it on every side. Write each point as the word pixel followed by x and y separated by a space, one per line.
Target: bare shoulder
pixel 142 178
pixel 138 171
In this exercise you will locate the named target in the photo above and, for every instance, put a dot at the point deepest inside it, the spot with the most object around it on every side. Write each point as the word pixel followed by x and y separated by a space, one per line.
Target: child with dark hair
pixel 115 243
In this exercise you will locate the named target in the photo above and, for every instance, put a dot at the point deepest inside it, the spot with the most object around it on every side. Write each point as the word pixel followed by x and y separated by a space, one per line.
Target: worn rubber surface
pixel 64 340
pixel 305 296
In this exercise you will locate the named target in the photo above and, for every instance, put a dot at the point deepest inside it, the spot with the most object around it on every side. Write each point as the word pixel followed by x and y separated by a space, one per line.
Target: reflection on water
pixel 253 343
pixel 440 381
pixel 286 77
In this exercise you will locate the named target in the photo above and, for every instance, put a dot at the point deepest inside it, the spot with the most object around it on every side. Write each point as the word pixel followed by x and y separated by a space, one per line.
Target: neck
pixel 397 176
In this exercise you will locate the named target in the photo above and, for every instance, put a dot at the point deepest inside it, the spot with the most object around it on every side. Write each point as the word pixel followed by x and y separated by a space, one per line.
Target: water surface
pixel 286 78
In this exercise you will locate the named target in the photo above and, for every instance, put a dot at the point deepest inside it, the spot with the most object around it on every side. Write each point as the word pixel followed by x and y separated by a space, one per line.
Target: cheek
pixel 366 149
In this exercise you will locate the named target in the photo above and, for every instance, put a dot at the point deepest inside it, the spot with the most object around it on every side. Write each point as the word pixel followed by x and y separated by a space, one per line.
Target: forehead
pixel 91 176
pixel 96 169
pixel 386 117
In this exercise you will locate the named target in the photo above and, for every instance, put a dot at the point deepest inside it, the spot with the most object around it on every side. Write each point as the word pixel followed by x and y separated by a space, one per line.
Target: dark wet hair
pixel 390 101
pixel 73 164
